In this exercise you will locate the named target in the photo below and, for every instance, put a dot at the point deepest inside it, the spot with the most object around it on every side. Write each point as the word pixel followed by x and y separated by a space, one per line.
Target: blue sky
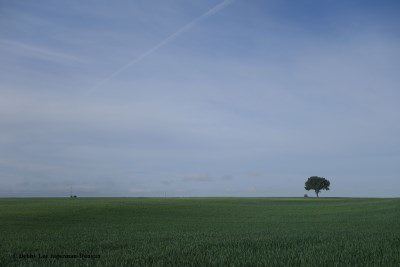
pixel 199 98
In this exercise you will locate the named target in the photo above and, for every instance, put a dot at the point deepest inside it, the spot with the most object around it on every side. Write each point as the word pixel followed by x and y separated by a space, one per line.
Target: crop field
pixel 199 232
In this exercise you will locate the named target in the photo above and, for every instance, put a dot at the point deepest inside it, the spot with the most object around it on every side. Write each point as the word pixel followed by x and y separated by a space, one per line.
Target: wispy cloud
pixel 167 182
pixel 167 40
pixel 227 178
pixel 35 51
pixel 198 178
pixel 266 97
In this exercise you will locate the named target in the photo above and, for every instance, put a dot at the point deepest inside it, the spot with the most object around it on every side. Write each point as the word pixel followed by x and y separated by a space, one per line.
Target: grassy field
pixel 200 232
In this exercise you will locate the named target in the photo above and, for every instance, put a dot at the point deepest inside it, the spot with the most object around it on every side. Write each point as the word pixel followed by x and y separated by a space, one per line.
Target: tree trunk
pixel 317 193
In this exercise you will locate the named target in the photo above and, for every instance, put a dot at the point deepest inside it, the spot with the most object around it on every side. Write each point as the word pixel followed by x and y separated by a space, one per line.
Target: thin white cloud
pixel 227 178
pixel 167 182
pixel 37 51
pixel 198 178
pixel 167 40
pixel 307 106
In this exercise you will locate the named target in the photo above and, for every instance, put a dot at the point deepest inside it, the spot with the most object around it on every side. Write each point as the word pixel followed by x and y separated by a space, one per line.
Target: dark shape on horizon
pixel 317 184
pixel 71 195
pixel 305 195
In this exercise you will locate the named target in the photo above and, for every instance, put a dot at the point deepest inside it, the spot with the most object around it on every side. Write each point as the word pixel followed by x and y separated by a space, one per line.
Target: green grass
pixel 201 231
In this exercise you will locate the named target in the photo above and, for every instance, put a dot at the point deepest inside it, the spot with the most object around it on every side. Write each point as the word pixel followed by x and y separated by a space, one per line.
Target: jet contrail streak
pixel 171 37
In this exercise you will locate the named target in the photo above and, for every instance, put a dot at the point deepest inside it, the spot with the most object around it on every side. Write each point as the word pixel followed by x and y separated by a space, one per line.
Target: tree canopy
pixel 317 184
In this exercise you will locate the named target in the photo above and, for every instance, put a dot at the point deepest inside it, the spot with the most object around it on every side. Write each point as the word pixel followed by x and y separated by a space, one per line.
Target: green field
pixel 200 231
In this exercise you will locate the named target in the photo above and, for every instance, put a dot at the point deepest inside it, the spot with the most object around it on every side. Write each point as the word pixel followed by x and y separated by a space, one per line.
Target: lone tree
pixel 317 184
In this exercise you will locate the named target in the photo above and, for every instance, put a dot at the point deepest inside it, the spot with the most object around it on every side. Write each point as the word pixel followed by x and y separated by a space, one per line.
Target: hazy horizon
pixel 199 98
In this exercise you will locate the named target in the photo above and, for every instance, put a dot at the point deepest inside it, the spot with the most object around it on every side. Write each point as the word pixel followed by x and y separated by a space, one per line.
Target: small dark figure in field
pixel 305 195
pixel 74 196
pixel 317 184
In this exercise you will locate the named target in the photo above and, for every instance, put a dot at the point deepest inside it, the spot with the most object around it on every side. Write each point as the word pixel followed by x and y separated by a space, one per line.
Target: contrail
pixel 170 38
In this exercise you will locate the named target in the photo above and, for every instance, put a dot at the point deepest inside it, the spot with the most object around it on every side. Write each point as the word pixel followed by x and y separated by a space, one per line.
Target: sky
pixel 199 98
